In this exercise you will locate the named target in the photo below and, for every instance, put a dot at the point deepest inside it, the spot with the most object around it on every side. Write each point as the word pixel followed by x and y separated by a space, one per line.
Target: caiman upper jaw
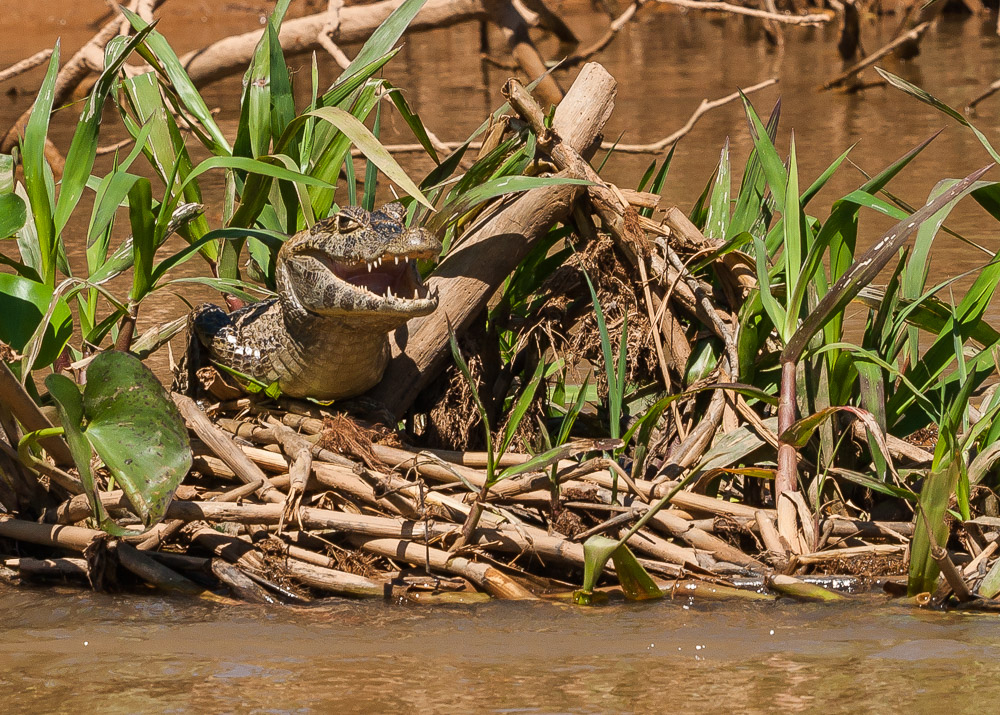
pixel 359 265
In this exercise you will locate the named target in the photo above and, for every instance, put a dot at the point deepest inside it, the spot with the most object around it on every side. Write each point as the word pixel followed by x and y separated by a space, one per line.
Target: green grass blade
pixel 161 56
pixel 140 206
pixel 927 98
pixel 383 39
pixel 793 220
pixel 717 221
pixel 83 149
pixel 40 196
pixel 365 141
pixel 866 268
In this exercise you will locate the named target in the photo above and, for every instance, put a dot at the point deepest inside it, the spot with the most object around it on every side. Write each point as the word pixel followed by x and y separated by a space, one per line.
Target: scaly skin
pixel 343 285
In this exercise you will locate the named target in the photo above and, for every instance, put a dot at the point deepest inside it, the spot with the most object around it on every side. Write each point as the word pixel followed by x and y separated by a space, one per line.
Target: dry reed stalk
pixel 800 590
pixel 60 568
pixel 851 552
pixel 487 577
pixel 223 447
pixel 330 580
pixel 701 590
pixel 153 572
pixel 24 409
pixel 241 585
pixel 74 538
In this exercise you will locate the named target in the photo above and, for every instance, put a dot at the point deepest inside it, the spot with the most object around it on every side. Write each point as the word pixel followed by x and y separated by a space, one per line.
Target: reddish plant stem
pixel 787 477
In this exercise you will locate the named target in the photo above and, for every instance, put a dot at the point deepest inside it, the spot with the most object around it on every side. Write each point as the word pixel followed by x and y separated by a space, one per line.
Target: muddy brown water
pixel 66 652
pixel 63 649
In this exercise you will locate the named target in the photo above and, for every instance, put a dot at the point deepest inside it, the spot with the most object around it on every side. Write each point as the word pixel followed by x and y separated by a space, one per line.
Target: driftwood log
pixel 488 253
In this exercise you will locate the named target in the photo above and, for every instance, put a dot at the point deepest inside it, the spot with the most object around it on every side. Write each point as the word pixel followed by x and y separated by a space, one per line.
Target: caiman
pixel 342 286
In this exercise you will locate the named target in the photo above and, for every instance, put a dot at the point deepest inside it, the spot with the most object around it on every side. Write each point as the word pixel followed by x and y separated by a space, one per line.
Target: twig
pixel 24 65
pixel 871 59
pixel 705 106
pixel 223 445
pixel 751 12
pixel 990 91
pixel 652 148
pixel 331 47
pixel 112 148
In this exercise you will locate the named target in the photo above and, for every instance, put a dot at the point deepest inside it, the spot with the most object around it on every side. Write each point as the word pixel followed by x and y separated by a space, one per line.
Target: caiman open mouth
pixel 392 277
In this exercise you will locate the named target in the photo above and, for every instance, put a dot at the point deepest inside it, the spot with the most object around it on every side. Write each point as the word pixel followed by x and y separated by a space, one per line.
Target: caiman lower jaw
pixel 389 285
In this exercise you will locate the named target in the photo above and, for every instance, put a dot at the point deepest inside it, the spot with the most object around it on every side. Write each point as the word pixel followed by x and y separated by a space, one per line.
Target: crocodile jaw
pixel 384 288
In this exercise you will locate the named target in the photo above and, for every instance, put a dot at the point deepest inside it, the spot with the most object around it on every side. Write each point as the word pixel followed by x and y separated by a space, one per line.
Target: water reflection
pixel 152 654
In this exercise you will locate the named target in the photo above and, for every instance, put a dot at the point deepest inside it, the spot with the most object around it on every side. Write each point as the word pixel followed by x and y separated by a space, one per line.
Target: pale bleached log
pixel 490 251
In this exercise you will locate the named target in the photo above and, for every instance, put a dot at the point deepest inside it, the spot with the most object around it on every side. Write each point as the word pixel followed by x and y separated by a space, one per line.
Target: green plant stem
pixel 657 506
pixel 31 439
pixel 25 411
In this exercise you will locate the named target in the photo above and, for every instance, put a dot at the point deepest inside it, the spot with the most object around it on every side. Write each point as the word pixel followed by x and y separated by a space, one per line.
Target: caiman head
pixel 358 264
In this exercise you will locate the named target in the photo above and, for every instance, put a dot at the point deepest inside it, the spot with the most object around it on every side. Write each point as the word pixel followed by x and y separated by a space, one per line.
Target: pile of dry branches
pixel 282 505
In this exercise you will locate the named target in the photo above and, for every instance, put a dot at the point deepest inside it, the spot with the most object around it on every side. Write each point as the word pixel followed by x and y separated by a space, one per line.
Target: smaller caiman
pixel 343 285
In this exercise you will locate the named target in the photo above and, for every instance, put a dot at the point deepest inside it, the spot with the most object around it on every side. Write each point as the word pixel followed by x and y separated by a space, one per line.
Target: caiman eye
pixel 346 224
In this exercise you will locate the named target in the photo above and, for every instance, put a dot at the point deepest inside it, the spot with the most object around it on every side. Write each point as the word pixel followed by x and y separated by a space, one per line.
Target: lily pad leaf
pixel 127 417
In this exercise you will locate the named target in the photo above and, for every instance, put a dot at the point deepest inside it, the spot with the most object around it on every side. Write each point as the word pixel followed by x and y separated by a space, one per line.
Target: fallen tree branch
pixel 24 65
pixel 817 19
pixel 871 59
pixel 467 277
pixel 705 106
pixel 74 72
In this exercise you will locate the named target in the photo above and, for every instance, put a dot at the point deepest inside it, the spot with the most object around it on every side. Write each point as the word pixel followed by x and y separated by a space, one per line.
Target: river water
pixel 66 650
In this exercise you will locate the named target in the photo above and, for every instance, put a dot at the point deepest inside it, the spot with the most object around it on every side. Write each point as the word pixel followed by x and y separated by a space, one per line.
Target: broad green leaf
pixel 133 425
pixel 23 305
pixel 635 582
pixel 69 404
pixel 13 214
